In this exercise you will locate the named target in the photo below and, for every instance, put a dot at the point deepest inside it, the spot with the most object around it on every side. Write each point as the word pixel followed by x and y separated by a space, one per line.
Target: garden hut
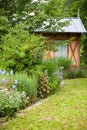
pixel 73 30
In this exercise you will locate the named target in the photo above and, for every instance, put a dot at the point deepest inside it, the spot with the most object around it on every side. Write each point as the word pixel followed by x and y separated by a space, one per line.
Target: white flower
pixel 11 72
pixel 23 93
pixel 14 19
pixel 62 67
pixel 15 81
pixel 46 71
pixel 27 98
pixel 13 86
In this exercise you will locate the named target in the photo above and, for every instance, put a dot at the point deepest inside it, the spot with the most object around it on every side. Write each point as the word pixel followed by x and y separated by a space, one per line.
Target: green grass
pixel 66 110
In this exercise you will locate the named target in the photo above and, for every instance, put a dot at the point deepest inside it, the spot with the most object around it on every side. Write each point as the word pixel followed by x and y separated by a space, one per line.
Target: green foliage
pixel 83 53
pixel 31 12
pixel 7 80
pixel 55 8
pixel 32 88
pixel 64 62
pixel 11 102
pixel 50 66
pixel 75 73
pixel 4 26
pixel 28 84
pixel 9 7
pixel 54 83
pixel 43 86
pixel 54 72
pixel 21 50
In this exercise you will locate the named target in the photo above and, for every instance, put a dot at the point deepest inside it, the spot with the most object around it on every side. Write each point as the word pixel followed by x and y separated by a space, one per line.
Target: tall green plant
pixel 52 69
pixel 50 66
pixel 28 84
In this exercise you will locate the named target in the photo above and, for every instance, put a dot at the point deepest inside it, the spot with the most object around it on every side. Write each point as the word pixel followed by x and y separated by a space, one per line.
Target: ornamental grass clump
pixel 28 84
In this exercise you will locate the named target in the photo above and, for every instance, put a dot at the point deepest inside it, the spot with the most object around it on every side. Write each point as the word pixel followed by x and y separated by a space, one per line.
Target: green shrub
pixel 75 73
pixel 11 102
pixel 54 83
pixel 21 50
pixel 50 66
pixel 43 86
pixel 65 62
pixel 54 71
pixel 28 84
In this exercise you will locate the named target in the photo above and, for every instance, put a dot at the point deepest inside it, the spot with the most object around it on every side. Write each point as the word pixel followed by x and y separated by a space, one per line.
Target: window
pixel 62 49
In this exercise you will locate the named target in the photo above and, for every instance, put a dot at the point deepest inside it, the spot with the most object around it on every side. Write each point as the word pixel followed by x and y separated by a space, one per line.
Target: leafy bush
pixel 54 71
pixel 43 86
pixel 65 62
pixel 11 102
pixel 21 50
pixel 50 66
pixel 54 83
pixel 75 73
pixel 28 84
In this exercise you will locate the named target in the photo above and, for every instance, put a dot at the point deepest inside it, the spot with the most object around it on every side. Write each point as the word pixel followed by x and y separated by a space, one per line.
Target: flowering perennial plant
pixel 7 80
pixel 11 100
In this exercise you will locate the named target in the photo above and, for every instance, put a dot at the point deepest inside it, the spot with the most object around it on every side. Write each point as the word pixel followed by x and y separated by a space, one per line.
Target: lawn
pixel 65 110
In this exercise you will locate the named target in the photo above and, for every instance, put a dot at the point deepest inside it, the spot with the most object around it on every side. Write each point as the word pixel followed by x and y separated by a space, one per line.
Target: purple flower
pixel 56 72
pixel 2 72
pixel 3 80
pixel 61 77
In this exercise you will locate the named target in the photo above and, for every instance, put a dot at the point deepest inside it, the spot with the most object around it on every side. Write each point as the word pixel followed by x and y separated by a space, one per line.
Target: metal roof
pixel 75 26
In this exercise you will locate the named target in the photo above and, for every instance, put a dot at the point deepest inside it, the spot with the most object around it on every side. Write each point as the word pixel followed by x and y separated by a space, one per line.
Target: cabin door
pixel 73 52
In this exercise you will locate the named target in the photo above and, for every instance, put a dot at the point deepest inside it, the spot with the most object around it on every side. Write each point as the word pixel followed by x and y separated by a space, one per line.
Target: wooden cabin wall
pixel 73 48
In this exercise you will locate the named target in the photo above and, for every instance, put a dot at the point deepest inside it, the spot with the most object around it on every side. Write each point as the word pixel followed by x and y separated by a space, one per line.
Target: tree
pixel 31 12
pixel 9 7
